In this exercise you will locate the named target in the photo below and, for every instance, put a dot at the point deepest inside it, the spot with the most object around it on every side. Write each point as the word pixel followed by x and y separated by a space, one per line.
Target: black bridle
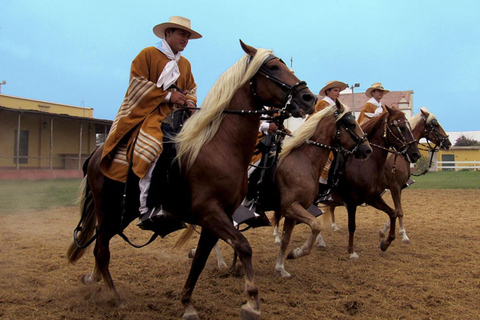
pixel 402 151
pixel 347 122
pixel 438 141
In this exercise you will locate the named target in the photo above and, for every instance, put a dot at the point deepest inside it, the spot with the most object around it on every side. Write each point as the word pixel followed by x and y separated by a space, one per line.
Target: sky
pixel 79 52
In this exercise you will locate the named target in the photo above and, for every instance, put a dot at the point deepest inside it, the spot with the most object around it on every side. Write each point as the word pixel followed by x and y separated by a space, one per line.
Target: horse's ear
pixel 251 51
pixel 425 111
pixel 390 110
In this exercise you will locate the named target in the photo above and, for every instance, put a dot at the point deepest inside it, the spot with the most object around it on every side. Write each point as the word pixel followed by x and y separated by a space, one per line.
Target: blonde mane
pixel 416 119
pixel 306 130
pixel 202 126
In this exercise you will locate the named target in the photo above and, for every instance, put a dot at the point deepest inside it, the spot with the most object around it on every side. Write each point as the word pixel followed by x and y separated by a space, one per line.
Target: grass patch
pixel 23 195
pixel 448 180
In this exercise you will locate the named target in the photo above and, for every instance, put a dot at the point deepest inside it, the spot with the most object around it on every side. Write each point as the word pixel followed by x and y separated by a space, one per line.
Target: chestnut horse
pixel 364 181
pixel 397 170
pixel 214 150
pixel 301 162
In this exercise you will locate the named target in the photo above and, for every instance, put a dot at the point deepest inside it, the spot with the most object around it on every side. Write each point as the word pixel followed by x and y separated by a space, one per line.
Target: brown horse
pixel 397 170
pixel 300 164
pixel 364 181
pixel 214 150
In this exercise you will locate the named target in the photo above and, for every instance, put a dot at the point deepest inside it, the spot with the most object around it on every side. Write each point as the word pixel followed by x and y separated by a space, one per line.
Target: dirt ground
pixel 437 276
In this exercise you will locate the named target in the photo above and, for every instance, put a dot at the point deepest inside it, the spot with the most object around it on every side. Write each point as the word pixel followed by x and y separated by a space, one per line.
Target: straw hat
pixel 375 86
pixel 333 84
pixel 175 22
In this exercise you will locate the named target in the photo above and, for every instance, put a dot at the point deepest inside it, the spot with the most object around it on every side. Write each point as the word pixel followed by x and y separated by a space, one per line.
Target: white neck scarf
pixel 329 100
pixel 171 72
pixel 378 111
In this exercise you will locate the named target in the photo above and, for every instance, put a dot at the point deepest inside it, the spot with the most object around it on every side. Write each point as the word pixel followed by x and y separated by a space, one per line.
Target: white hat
pixel 375 86
pixel 333 84
pixel 175 22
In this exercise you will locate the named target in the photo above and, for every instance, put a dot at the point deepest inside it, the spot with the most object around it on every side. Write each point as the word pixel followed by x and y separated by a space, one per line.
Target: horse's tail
pixel 183 238
pixel 87 220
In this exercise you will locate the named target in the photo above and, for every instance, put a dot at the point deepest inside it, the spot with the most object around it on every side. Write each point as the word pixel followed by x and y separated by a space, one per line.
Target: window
pixel 451 162
pixel 23 154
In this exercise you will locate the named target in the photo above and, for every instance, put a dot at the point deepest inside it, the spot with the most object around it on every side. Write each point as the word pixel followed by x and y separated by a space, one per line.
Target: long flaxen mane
pixel 416 119
pixel 306 130
pixel 203 125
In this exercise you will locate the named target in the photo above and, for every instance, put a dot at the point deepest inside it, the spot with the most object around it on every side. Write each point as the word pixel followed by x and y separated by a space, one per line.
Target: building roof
pixel 391 99
pixel 453 136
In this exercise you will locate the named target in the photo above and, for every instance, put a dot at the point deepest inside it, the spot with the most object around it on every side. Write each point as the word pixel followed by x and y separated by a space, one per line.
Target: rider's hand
pixel 272 128
pixel 178 98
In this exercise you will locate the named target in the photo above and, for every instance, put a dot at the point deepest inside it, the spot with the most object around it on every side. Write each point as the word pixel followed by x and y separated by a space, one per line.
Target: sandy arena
pixel 437 276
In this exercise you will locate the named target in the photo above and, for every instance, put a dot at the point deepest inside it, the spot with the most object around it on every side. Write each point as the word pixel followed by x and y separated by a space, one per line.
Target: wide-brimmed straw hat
pixel 175 22
pixel 376 86
pixel 333 84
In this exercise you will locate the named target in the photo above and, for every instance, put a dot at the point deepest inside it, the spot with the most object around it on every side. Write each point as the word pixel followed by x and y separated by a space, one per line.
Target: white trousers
pixel 144 185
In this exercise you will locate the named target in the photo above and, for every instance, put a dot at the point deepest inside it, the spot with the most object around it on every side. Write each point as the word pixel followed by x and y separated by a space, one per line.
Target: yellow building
pixel 458 157
pixel 45 139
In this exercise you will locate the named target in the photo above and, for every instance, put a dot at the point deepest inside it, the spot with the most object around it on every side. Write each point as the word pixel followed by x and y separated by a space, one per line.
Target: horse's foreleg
pixel 352 211
pixel 300 214
pixel 397 201
pixel 288 226
pixel 205 244
pixel 217 226
pixel 380 204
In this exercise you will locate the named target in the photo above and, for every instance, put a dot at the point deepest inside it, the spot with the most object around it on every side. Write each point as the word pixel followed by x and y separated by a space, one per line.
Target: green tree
pixel 465 141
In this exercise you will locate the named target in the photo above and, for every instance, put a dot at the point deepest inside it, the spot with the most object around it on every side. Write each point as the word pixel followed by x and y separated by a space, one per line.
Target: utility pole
pixel 2 84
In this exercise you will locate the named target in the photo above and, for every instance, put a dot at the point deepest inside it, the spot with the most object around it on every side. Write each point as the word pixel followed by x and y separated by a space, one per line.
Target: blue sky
pixel 79 52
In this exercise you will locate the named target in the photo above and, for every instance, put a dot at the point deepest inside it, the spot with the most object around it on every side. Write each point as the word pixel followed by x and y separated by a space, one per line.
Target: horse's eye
pixel 273 67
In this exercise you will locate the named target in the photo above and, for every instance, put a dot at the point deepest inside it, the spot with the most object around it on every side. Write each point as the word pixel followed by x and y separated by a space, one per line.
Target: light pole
pixel 1 84
pixel 356 85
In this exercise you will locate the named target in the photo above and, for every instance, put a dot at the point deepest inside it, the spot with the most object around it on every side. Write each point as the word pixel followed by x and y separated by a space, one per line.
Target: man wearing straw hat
pixel 136 137
pixel 373 107
pixel 330 92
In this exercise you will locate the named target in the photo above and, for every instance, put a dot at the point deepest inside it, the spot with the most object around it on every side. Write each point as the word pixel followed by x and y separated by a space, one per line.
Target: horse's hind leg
pixel 334 224
pixel 102 261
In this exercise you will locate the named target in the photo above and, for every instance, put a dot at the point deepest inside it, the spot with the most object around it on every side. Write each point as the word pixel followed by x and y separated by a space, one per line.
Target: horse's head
pixel 349 133
pixel 398 135
pixel 274 85
pixel 434 131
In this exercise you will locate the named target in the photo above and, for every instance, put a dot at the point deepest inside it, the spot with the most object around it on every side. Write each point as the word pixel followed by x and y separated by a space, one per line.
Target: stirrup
pixel 149 217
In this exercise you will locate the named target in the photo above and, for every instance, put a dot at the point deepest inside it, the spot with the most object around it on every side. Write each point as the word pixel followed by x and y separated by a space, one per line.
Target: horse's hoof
pixel 283 273
pixel 406 241
pixel 381 234
pixel 249 314
pixel 190 313
pixel 295 253
pixel 88 279
pixel 384 246
pixel 354 256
